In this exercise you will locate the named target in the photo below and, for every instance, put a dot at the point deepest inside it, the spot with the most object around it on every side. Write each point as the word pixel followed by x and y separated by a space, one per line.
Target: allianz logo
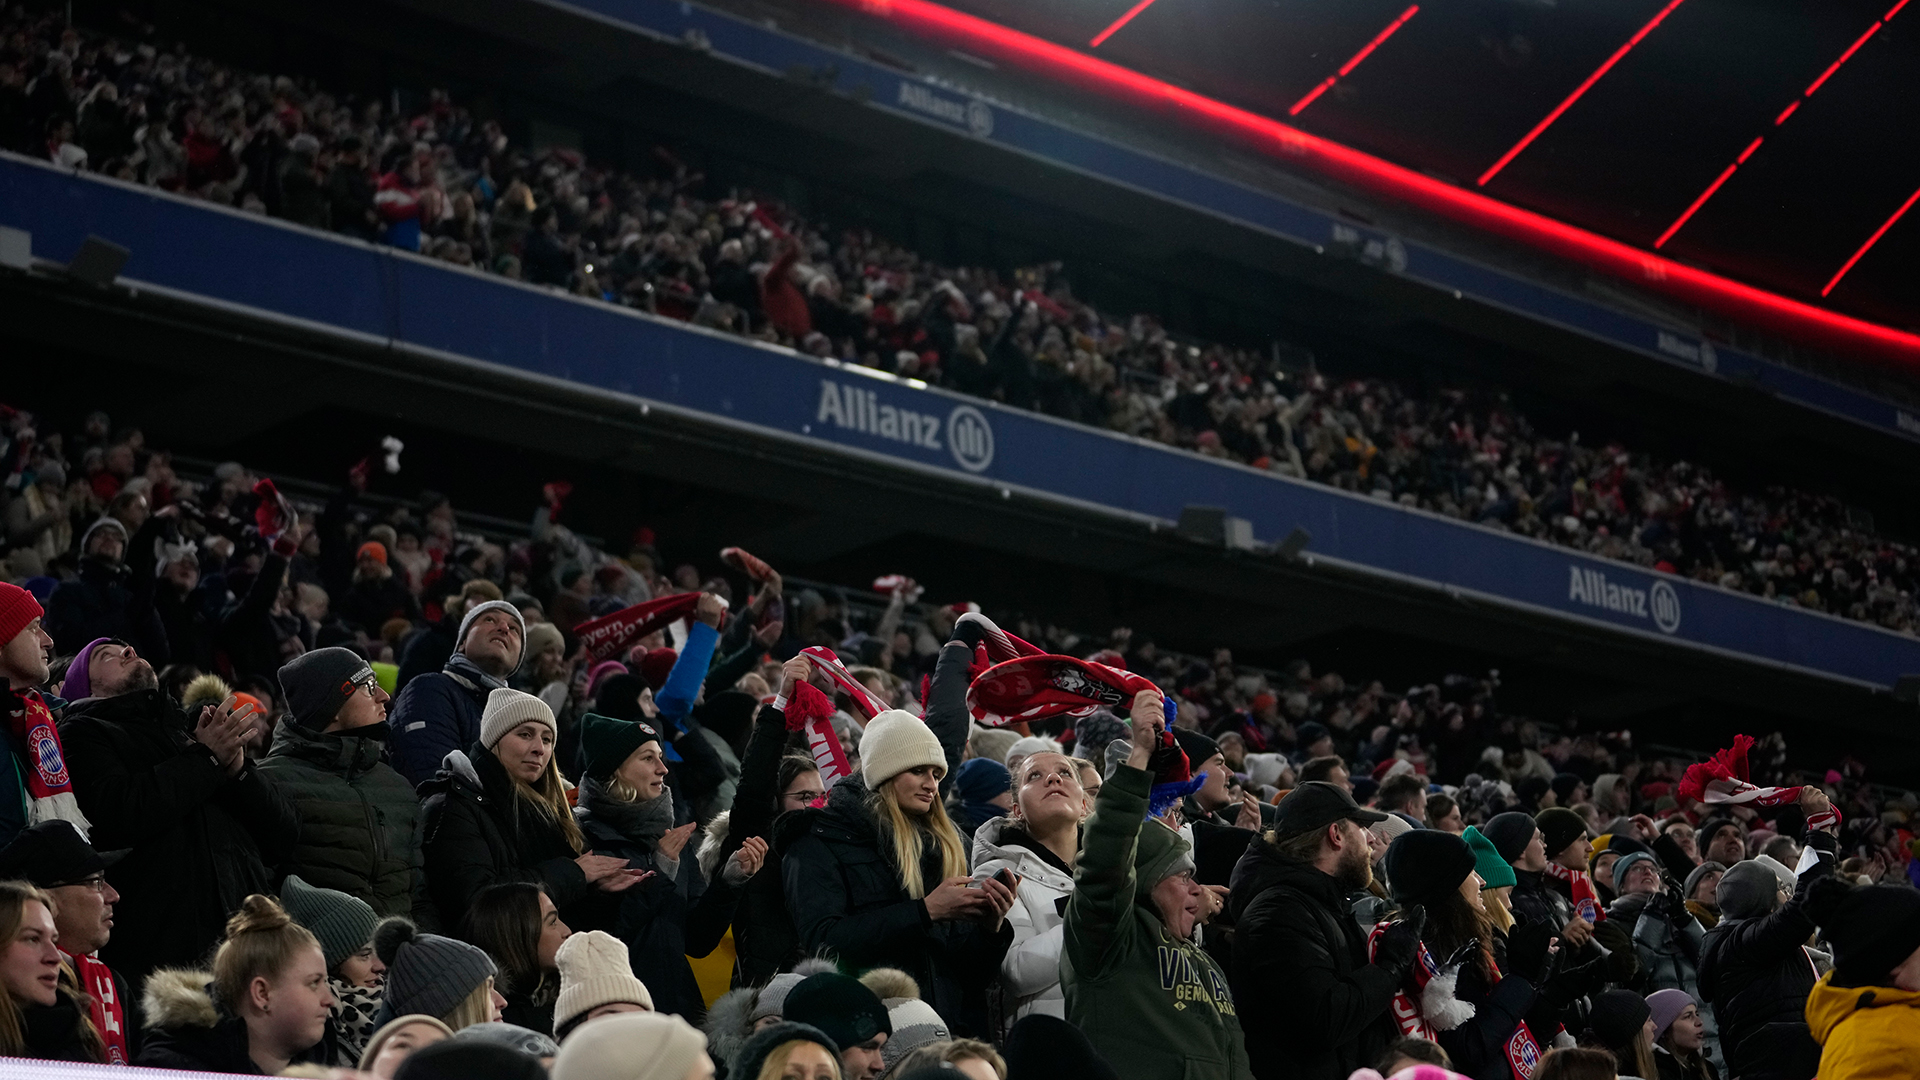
pixel 1659 604
pixel 964 432
pixel 975 116
pixel 1699 353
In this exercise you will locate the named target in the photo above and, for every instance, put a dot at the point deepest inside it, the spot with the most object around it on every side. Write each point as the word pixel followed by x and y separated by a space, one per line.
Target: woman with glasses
pixel 357 815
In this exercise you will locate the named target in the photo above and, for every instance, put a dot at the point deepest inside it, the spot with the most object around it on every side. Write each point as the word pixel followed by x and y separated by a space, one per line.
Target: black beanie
pixel 1873 930
pixel 607 743
pixel 1424 865
pixel 1198 747
pixel 728 715
pixel 1561 826
pixel 469 1059
pixel 1617 1017
pixel 753 1053
pixel 1564 785
pixel 315 684
pixel 1042 1047
pixel 839 1005
pixel 1510 833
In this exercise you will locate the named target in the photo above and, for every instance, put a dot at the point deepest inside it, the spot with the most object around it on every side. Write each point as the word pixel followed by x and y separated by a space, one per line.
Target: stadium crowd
pixel 443 182
pixel 346 789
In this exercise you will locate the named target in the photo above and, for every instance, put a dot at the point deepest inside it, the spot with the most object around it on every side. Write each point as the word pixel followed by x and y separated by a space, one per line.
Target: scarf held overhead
pixel 811 711
pixel 609 635
pixel 1043 685
pixel 827 663
pixel 1722 780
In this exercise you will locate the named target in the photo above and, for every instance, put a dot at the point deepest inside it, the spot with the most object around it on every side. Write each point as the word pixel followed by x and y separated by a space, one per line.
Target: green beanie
pixel 343 923
pixel 1494 870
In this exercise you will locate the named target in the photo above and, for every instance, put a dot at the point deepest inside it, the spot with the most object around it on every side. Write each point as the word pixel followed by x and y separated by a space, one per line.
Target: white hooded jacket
pixel 1030 974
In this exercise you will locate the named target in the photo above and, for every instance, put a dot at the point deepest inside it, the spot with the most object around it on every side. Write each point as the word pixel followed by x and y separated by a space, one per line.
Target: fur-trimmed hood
pixel 176 997
pixel 712 839
pixel 730 1023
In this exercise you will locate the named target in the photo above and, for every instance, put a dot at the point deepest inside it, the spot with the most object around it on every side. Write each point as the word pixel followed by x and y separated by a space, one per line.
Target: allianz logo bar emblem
pixel 964 433
pixel 1659 604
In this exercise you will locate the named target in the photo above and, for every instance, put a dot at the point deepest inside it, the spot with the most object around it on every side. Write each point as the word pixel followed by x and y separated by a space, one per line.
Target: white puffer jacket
pixel 1031 972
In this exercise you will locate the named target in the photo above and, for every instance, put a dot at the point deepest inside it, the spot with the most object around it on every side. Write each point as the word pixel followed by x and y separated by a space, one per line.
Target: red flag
pixel 609 635
pixel 1043 685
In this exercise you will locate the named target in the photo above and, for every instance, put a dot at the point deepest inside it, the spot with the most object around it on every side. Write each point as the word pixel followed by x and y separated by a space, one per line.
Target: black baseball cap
pixel 51 854
pixel 1317 804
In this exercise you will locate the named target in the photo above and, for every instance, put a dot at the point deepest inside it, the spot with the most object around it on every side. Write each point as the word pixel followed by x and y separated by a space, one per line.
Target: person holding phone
pixel 1036 847
pixel 201 826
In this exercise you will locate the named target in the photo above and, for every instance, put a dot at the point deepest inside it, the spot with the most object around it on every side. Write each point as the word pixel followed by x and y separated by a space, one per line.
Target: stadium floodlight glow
pixel 1301 150
pixel 1777 121
pixel 1347 68
pixel 1578 92
pixel 1119 22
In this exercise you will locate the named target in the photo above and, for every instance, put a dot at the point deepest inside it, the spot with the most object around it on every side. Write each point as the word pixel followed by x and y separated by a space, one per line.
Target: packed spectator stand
pixel 452 186
pixel 322 777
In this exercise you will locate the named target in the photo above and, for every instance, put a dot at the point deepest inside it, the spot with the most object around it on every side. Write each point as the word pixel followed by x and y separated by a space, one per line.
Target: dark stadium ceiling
pixel 1775 142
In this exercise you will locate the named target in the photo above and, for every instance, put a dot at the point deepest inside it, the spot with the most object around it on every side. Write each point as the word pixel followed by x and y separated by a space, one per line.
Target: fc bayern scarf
pixel 1586 903
pixel 1722 780
pixel 103 1001
pixel 1043 685
pixel 811 711
pixel 609 635
pixel 1426 1005
pixel 46 787
pixel 827 663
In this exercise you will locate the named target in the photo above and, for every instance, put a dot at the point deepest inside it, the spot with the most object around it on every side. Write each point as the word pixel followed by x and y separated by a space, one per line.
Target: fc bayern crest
pixel 46 756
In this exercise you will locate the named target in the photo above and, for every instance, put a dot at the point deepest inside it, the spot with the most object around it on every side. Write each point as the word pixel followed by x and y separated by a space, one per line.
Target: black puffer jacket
pixel 1756 974
pixel 479 833
pixel 764 940
pixel 845 896
pixel 53 1032
pixel 661 925
pixel 201 840
pixel 1311 1005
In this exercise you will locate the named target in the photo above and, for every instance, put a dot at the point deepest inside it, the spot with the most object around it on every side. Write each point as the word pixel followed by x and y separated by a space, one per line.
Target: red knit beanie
pixel 17 609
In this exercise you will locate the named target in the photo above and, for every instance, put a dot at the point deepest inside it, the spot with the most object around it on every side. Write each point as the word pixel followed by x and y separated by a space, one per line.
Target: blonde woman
pixel 41 1014
pixel 265 1006
pixel 498 812
pixel 879 875
pixel 435 976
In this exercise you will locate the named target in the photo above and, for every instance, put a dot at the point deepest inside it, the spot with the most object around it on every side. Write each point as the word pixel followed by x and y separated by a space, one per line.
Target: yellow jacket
pixel 1866 1032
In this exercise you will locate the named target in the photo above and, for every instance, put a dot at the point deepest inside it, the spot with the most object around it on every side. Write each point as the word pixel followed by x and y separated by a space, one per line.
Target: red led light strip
pixel 1119 22
pixel 1382 178
pixel 1578 91
pixel 1697 203
pixel 1365 50
pixel 1871 240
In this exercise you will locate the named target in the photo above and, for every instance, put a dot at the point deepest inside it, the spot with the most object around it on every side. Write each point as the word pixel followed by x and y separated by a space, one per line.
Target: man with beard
pixel 1313 1007
pixel 439 712
pixel 177 790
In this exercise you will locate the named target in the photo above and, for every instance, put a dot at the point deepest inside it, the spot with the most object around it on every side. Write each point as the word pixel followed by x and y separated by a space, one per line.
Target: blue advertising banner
pixel 257 264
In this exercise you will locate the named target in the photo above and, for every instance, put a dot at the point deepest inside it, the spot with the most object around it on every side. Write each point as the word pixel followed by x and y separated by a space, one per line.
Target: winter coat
pixel 844 893
pixel 53 1032
pixel 435 715
pixel 1671 1067
pixel 1031 972
pixel 765 942
pixel 660 925
pixel 359 821
pixel 1668 945
pixel 256 640
pixel 1756 974
pixel 186 1031
pixel 202 840
pixel 1865 1032
pixel 479 833
pixel 1316 1008
pixel 1478 1045
pixel 102 602
pixel 1159 1004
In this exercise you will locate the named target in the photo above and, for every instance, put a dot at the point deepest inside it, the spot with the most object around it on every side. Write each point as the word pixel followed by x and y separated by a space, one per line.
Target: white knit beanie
pixel 508 709
pixel 895 741
pixel 594 971
pixel 631 1046
pixel 1029 746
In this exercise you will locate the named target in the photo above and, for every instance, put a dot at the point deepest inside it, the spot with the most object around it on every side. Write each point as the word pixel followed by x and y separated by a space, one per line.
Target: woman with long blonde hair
pixel 879 875
pixel 42 1014
pixel 499 812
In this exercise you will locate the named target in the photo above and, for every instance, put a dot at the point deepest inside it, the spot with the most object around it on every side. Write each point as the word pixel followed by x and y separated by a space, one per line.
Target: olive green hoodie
pixel 1157 1007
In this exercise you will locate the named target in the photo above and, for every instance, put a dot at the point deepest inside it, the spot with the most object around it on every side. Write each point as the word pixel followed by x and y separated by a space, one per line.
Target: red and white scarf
pixel 1586 902
pixel 827 663
pixel 609 635
pixel 1037 686
pixel 1722 780
pixel 811 711
pixel 1420 994
pixel 103 1001
pixel 42 764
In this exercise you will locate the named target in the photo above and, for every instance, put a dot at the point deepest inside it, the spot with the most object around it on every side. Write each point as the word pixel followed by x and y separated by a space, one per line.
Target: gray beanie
pixel 525 1040
pixel 1748 890
pixel 773 996
pixel 315 684
pixel 342 923
pixel 426 973
pixel 1693 879
pixel 466 623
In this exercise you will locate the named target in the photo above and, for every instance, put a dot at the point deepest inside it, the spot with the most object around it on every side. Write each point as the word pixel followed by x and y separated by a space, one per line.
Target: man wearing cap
pixel 850 1014
pixel 439 712
pixel 34 782
pixel 1316 1007
pixel 54 856
pixel 178 790
pixel 359 821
